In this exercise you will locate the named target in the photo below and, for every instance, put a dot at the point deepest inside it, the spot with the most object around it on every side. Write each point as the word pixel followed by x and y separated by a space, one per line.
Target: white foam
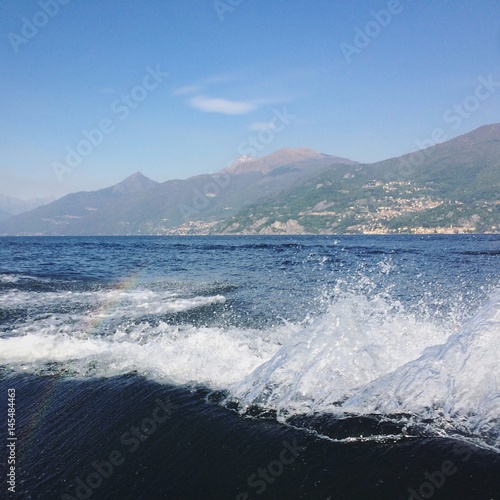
pixel 8 278
pixel 457 382
pixel 110 302
pixel 364 355
pixel 16 278
pixel 356 342
pixel 180 355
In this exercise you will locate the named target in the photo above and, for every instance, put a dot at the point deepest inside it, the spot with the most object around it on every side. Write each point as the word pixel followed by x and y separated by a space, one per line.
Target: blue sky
pixel 175 88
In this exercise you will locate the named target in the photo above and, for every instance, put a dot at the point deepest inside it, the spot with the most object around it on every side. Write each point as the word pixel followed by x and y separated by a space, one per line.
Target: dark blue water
pixel 251 367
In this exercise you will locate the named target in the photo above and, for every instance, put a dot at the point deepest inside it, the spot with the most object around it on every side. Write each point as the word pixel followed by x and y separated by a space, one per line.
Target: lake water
pixel 251 367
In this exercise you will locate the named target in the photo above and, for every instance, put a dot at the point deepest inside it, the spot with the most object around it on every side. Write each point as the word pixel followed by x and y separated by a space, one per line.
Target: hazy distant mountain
pixel 84 212
pixel 4 215
pixel 13 206
pixel 451 187
pixel 139 205
pixel 136 182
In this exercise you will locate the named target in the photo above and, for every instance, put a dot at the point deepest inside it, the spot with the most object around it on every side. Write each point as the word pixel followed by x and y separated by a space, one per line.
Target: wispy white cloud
pixel 221 78
pixel 187 89
pixel 199 85
pixel 228 84
pixel 220 105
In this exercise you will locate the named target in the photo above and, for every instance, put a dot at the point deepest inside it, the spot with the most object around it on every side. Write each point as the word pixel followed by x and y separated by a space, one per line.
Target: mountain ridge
pixel 452 186
pixel 10 205
pixel 133 183
pixel 139 205
pixel 277 159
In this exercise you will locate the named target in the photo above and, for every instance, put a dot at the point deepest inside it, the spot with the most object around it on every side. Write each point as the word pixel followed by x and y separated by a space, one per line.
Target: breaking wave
pixel 365 355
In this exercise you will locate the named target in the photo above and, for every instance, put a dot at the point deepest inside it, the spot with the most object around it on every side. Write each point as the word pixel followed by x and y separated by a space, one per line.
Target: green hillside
pixel 453 187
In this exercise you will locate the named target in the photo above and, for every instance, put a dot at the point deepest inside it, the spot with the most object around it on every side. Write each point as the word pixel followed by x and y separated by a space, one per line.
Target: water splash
pixel 367 354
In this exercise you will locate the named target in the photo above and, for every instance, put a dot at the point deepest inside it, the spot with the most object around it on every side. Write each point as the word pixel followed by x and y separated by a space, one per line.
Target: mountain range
pixel 13 206
pixel 447 188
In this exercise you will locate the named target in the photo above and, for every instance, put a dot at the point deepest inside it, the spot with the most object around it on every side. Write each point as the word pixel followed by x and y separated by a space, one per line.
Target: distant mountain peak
pixel 137 176
pixel 133 183
pixel 298 152
pixel 241 160
pixel 286 156
pixel 14 206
